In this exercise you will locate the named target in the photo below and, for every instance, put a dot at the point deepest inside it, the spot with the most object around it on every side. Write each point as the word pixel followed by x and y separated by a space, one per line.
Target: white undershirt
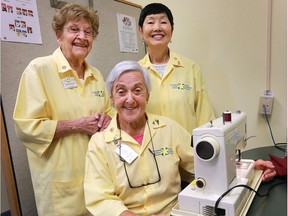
pixel 160 68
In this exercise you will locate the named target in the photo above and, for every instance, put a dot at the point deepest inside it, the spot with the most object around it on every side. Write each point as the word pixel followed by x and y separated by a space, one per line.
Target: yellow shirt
pixel 106 187
pixel 181 94
pixel 49 91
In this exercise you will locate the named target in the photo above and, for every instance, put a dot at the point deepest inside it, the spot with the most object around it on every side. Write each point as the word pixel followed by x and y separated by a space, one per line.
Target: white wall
pixel 229 41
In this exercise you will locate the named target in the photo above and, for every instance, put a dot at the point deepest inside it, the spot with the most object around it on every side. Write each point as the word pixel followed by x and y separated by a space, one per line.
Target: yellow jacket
pixel 57 167
pixel 106 187
pixel 181 94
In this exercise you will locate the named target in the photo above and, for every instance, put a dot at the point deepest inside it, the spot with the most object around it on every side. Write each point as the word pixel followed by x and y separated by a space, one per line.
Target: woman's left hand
pixel 268 169
pixel 103 121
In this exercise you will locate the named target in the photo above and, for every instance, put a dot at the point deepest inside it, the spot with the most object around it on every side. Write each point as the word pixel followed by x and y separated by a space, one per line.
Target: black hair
pixel 155 8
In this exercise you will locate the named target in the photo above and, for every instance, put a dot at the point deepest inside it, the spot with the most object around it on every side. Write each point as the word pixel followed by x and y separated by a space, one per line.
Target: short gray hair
pixel 126 66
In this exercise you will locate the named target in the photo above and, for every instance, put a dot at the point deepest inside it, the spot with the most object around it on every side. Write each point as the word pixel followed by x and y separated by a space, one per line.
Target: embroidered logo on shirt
pixel 181 86
pixel 165 151
pixel 98 93
pixel 156 121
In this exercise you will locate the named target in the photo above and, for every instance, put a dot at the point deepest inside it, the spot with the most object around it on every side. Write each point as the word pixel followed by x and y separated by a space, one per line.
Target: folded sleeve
pixel 32 116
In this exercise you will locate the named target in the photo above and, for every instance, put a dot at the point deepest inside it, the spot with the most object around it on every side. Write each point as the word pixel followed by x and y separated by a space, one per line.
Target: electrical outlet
pixel 266 101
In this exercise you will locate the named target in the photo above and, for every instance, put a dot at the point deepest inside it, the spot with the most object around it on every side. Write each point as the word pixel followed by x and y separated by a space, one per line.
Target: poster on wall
pixel 20 21
pixel 127 33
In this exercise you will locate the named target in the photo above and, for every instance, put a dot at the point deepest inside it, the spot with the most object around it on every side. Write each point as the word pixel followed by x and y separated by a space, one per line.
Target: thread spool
pixel 227 117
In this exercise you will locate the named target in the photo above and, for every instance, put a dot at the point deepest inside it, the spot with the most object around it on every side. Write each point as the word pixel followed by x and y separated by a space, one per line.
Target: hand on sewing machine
pixel 268 169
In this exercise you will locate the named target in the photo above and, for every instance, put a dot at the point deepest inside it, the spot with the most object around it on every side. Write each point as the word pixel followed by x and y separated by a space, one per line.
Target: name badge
pixel 127 153
pixel 69 82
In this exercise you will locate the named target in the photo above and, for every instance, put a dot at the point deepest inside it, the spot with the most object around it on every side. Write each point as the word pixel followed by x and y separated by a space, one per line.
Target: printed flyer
pixel 127 33
pixel 20 21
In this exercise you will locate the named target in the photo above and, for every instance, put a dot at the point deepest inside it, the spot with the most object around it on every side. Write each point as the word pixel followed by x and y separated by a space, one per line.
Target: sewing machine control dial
pixel 207 148
pixel 200 183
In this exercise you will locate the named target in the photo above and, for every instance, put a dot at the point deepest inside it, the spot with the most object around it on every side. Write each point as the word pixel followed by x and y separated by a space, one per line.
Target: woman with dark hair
pixel 178 88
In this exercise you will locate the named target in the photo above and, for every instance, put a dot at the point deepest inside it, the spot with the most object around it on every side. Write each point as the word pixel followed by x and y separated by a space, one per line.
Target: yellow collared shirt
pixel 49 91
pixel 180 94
pixel 106 187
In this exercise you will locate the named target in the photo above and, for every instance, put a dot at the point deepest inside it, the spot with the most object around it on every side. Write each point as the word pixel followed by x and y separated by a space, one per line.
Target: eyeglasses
pixel 155 160
pixel 142 185
pixel 76 30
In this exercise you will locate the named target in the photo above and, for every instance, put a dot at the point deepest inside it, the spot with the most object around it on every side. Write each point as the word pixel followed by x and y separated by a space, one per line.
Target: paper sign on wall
pixel 127 33
pixel 20 21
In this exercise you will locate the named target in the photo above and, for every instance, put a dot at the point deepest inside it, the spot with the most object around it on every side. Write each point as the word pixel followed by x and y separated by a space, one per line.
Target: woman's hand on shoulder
pixel 103 120
pixel 92 124
pixel 88 125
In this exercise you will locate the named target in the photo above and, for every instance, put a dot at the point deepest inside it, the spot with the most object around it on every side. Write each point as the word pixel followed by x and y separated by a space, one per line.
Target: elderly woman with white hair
pixel 132 167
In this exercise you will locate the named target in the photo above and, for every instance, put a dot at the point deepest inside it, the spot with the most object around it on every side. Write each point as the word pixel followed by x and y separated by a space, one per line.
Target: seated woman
pixel 132 167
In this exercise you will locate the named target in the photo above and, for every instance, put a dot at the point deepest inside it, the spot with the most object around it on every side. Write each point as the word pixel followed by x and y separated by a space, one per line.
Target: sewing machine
pixel 218 167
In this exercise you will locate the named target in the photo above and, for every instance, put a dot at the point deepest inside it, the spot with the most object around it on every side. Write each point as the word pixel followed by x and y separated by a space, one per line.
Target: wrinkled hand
pixel 89 125
pixel 268 169
pixel 103 120
pixel 92 124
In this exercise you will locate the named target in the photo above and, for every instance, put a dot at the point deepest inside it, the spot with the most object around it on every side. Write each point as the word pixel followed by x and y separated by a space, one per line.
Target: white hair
pixel 126 66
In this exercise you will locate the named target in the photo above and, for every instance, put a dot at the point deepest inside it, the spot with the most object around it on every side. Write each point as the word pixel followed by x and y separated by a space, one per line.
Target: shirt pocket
pixel 68 198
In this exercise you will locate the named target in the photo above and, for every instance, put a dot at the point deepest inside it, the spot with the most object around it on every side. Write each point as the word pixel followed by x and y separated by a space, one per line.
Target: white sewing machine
pixel 218 168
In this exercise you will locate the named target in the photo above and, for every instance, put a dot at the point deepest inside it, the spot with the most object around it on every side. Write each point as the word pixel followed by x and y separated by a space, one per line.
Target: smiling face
pixel 75 45
pixel 156 30
pixel 130 96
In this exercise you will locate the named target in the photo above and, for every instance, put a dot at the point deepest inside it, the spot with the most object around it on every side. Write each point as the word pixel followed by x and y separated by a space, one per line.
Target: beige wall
pixel 229 41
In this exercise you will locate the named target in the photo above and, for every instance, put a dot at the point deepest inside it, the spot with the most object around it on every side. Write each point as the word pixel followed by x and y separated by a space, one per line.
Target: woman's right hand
pixel 88 125
pixel 104 120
